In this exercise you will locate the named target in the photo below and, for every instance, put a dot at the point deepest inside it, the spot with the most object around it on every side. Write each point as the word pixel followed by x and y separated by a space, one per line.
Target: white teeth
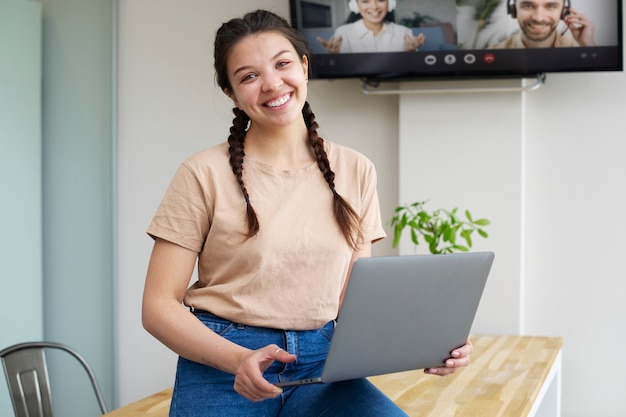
pixel 278 102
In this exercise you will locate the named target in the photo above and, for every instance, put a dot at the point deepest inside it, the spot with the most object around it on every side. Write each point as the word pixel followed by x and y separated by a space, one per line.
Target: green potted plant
pixel 444 231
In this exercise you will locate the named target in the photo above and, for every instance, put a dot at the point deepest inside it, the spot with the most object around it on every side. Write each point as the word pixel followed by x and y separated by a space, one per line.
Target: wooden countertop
pixel 156 405
pixel 505 378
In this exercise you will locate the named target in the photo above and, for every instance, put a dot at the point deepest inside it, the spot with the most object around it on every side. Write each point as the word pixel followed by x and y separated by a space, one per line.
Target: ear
pixel 231 96
pixel 305 66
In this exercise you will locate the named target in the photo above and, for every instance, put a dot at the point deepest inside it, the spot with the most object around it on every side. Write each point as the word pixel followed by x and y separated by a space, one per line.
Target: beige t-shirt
pixel 290 275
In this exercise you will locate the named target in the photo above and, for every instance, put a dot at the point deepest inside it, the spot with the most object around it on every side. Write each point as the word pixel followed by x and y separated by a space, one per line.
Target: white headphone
pixel 354 7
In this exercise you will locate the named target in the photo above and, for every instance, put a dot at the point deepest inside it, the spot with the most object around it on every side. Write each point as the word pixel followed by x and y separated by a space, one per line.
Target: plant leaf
pixel 414 237
pixel 439 228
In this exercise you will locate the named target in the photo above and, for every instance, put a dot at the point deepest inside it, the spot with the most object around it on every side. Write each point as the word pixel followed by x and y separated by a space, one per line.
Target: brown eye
pixel 248 77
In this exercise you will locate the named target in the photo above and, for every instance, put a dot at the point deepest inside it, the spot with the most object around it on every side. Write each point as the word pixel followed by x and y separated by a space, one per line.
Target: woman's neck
pixel 286 148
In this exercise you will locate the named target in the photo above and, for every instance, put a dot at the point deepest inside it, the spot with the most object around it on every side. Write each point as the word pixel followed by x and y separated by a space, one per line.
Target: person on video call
pixel 539 20
pixel 370 27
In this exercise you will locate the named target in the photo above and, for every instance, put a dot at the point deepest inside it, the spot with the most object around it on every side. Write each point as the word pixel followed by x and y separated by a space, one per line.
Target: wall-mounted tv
pixel 379 40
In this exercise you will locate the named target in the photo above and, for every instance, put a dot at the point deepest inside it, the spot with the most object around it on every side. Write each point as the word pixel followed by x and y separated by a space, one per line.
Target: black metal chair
pixel 26 370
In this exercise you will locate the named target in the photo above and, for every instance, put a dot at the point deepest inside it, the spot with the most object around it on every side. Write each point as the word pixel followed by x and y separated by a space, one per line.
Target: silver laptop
pixel 404 312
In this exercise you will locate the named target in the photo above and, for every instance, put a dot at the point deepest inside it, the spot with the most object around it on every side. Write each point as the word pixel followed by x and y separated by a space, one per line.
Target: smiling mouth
pixel 539 26
pixel 279 101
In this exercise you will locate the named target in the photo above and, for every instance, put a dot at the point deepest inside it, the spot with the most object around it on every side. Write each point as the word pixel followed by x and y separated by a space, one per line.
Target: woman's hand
pixel 460 357
pixel 249 380
pixel 164 316
pixel 412 43
pixel 333 45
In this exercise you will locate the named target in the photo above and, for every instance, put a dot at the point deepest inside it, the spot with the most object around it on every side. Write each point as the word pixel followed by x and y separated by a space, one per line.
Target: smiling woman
pixel 268 83
pixel 257 213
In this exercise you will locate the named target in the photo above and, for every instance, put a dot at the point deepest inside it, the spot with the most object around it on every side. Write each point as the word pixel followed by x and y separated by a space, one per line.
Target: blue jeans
pixel 204 391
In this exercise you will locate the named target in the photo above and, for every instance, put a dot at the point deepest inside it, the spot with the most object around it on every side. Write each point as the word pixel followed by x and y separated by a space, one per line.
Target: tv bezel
pixel 378 67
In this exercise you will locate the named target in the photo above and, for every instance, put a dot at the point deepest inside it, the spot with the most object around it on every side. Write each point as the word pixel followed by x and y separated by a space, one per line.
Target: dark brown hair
pixel 226 38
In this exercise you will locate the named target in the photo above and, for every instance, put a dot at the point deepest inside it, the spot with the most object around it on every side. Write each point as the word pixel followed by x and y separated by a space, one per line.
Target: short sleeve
pixel 183 217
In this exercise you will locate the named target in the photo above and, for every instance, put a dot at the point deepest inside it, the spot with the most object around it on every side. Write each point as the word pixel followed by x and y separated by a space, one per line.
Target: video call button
pixel 430 60
pixel 469 58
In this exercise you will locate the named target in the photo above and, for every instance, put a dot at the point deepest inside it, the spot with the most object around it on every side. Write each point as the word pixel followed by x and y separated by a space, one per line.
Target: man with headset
pixel 539 20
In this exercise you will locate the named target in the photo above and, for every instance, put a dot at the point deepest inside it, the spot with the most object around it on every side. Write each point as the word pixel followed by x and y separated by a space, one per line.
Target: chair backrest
pixel 27 376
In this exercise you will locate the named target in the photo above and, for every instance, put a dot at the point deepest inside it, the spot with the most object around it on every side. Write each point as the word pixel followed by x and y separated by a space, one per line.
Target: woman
pixel 275 217
pixel 370 27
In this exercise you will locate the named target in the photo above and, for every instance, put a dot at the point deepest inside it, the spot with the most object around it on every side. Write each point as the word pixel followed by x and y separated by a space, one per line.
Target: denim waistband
pixel 215 317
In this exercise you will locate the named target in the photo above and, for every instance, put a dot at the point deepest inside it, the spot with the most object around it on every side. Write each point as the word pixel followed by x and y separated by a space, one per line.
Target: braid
pixel 349 221
pixel 235 142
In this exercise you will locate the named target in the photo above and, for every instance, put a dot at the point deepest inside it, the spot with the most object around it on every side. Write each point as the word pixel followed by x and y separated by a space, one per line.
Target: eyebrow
pixel 532 3
pixel 245 67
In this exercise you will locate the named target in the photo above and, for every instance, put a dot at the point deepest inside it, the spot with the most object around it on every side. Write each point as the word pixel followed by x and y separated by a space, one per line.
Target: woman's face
pixel 268 79
pixel 373 11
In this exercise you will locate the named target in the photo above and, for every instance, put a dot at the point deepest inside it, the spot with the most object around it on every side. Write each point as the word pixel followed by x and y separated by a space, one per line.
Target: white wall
pixel 544 167
pixel 463 150
pixel 575 245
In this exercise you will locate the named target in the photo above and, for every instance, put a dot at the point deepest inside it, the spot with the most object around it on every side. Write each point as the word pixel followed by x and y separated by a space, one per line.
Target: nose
pixel 540 14
pixel 272 81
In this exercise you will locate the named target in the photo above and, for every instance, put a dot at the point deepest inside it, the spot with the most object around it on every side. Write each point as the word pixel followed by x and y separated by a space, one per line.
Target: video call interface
pixel 460 37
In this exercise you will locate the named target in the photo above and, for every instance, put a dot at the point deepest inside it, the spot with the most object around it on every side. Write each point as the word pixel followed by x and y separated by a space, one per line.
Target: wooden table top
pixel 504 379
pixel 156 405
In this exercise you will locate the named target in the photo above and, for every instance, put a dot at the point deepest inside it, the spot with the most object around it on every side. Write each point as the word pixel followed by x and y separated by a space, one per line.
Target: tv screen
pixel 381 40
